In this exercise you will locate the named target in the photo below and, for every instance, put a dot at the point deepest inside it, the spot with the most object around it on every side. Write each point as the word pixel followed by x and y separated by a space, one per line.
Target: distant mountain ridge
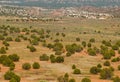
pixel 61 3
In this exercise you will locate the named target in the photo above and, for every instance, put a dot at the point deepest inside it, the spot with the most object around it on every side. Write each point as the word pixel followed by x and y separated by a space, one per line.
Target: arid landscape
pixel 60 41
pixel 67 31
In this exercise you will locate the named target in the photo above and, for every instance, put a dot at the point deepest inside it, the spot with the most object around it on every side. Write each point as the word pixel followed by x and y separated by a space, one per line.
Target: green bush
pixel 89 45
pixel 12 66
pixel 107 55
pixel 2 50
pixel 84 44
pixel 92 40
pixel 116 79
pixel 106 63
pixel 53 59
pixel 2 58
pixel 2 37
pixel 36 65
pixel 72 80
pixel 9 39
pixel 32 48
pixel 86 80
pixel 14 57
pixel 7 62
pixel 111 68
pixel 17 40
pixel 76 71
pixel 73 67
pixel 6 43
pixel 13 80
pixel 26 66
pixel 44 57
pixel 58 46
pixel 73 48
pixel 91 52
pixel 119 51
pixel 10 75
pixel 115 59
pixel 68 54
pixel 59 59
pixel 99 66
pixel 115 47
pixel 106 73
pixel 77 39
pixel 94 70
pixel 118 67
pixel 35 42
pixel 58 53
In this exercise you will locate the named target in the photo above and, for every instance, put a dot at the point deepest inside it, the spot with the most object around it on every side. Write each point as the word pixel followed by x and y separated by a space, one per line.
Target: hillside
pixel 61 3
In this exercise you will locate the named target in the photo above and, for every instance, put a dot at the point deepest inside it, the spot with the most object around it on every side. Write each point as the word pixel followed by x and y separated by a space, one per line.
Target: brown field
pixel 85 29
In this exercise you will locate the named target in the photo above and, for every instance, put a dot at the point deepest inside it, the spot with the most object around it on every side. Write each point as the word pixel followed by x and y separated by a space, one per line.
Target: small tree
pixel 13 80
pixel 92 40
pixel 32 48
pixel 106 63
pixel 73 66
pixel 12 66
pixel 59 59
pixel 99 66
pixel 94 70
pixel 72 80
pixel 14 57
pixel 2 50
pixel 26 66
pixel 106 73
pixel 86 80
pixel 17 40
pixel 116 79
pixel 8 75
pixel 77 39
pixel 91 52
pixel 84 44
pixel 118 67
pixel 36 65
pixel 44 57
pixel 77 71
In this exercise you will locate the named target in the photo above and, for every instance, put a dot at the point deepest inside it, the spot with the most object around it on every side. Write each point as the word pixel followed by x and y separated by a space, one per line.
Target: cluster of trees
pixel 9 60
pixel 53 58
pixel 9 75
pixel 71 49
pixel 27 66
pixel 65 78
pixel 76 70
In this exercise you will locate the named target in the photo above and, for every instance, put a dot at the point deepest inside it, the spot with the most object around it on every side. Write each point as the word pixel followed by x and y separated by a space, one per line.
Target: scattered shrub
pixel 26 66
pixel 36 65
pixel 72 80
pixel 99 66
pixel 44 57
pixel 73 67
pixel 106 73
pixel 92 40
pixel 76 71
pixel 60 59
pixel 2 50
pixel 106 63
pixel 86 80
pixel 116 79
pixel 14 57
pixel 118 67
pixel 94 70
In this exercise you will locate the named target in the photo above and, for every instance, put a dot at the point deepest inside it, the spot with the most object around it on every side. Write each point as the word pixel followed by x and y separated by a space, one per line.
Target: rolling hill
pixel 61 3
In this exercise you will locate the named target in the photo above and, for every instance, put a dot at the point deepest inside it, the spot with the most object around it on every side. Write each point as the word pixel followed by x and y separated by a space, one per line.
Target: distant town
pixel 38 12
